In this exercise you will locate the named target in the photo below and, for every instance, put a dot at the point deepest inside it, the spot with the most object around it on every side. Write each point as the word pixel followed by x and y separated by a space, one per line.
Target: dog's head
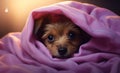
pixel 62 38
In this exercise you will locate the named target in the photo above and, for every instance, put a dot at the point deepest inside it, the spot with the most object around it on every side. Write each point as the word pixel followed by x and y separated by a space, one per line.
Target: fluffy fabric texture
pixel 20 52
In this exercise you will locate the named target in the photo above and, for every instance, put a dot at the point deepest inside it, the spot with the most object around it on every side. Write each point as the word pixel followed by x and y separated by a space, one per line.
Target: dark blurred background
pixel 14 13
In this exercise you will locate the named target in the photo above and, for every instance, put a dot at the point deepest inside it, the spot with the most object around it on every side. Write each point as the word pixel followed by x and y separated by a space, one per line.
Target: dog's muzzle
pixel 62 51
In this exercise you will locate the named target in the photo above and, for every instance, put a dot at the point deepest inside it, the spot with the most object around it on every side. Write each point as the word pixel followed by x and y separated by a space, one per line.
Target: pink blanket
pixel 20 52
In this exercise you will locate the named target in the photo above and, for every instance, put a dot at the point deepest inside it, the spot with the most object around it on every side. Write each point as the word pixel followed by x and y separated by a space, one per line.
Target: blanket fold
pixel 21 52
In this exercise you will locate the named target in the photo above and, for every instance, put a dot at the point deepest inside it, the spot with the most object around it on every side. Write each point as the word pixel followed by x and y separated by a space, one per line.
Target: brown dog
pixel 62 37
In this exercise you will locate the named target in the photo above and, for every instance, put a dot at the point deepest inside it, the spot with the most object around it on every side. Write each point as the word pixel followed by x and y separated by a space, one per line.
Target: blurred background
pixel 14 13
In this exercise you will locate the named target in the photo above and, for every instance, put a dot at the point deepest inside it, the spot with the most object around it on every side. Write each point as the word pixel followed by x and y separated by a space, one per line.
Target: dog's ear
pixel 85 37
pixel 39 25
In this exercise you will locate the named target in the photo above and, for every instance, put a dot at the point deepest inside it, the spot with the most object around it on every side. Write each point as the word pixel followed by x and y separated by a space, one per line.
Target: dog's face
pixel 62 39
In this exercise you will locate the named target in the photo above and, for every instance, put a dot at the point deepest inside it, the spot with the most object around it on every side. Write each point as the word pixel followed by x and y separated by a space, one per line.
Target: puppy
pixel 62 37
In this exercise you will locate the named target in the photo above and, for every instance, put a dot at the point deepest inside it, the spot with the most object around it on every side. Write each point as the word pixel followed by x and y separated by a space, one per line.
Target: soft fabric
pixel 20 52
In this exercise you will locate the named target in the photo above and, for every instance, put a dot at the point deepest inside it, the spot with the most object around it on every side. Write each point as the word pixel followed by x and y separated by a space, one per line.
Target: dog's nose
pixel 62 51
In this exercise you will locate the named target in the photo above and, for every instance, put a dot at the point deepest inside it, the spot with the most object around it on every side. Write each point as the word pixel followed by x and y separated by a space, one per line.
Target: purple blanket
pixel 20 52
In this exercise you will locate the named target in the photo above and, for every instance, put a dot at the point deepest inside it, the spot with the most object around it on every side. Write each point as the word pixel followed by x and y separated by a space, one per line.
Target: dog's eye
pixel 71 35
pixel 50 38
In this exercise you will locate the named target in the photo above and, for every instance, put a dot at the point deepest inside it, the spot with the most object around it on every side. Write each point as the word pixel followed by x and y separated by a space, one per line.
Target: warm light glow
pixel 6 10
pixel 14 13
pixel 20 9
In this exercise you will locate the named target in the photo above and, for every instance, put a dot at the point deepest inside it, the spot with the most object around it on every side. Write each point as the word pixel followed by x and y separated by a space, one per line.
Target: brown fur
pixel 60 31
